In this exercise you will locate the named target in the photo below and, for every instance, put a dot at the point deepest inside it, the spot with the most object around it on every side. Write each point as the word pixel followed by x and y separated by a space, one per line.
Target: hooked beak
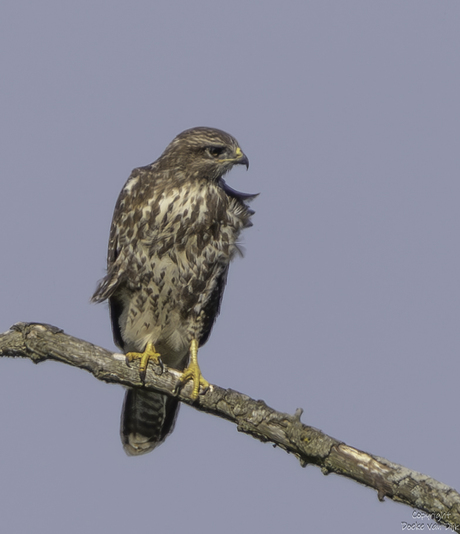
pixel 241 158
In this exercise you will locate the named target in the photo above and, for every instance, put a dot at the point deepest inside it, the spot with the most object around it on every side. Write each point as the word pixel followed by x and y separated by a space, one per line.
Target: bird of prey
pixel 174 232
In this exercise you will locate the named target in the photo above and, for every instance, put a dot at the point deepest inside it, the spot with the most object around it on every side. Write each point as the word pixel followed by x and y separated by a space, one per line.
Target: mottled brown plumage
pixel 174 232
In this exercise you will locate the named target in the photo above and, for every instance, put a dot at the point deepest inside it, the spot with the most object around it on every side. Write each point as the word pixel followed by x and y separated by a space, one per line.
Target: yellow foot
pixel 149 354
pixel 193 371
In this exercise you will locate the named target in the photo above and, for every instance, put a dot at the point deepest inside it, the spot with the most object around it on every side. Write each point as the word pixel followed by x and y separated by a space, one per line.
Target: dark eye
pixel 216 151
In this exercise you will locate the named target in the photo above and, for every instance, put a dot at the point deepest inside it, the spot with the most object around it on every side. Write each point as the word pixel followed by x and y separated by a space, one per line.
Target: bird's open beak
pixel 241 158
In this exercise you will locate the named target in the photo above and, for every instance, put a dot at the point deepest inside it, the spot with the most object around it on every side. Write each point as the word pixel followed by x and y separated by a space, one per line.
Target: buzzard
pixel 174 232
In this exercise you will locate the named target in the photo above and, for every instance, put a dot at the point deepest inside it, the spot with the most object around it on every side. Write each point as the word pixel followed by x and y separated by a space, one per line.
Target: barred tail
pixel 147 419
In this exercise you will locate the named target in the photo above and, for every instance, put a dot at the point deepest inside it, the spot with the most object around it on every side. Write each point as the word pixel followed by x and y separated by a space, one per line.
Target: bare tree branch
pixel 41 342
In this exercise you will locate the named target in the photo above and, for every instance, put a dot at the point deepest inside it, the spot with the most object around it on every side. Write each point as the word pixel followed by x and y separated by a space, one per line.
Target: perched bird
pixel 174 232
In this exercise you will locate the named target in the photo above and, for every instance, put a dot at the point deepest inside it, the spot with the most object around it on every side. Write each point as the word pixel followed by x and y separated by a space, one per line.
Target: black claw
pixel 142 375
pixel 177 388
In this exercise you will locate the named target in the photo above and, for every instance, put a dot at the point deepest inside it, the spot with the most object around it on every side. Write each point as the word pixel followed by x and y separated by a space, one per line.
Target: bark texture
pixel 41 342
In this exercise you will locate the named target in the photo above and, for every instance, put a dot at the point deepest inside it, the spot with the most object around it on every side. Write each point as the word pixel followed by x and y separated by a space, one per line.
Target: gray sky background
pixel 346 303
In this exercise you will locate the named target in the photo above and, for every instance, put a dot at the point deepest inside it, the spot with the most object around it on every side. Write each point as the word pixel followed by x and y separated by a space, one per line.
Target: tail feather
pixel 147 419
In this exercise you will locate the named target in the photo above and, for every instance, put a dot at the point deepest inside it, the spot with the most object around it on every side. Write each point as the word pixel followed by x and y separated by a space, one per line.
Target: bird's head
pixel 203 152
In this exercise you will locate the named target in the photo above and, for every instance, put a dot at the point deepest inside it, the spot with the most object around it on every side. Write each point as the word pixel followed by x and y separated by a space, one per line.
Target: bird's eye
pixel 216 151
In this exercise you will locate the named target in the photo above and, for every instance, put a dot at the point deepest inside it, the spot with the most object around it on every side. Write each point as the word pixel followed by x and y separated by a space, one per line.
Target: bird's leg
pixel 149 354
pixel 193 371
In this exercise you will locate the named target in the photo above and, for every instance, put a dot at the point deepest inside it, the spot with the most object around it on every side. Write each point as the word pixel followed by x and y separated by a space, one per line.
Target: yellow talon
pixel 193 371
pixel 149 354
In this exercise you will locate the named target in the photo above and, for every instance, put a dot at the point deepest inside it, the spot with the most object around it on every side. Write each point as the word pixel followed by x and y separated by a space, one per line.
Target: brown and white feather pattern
pixel 174 232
